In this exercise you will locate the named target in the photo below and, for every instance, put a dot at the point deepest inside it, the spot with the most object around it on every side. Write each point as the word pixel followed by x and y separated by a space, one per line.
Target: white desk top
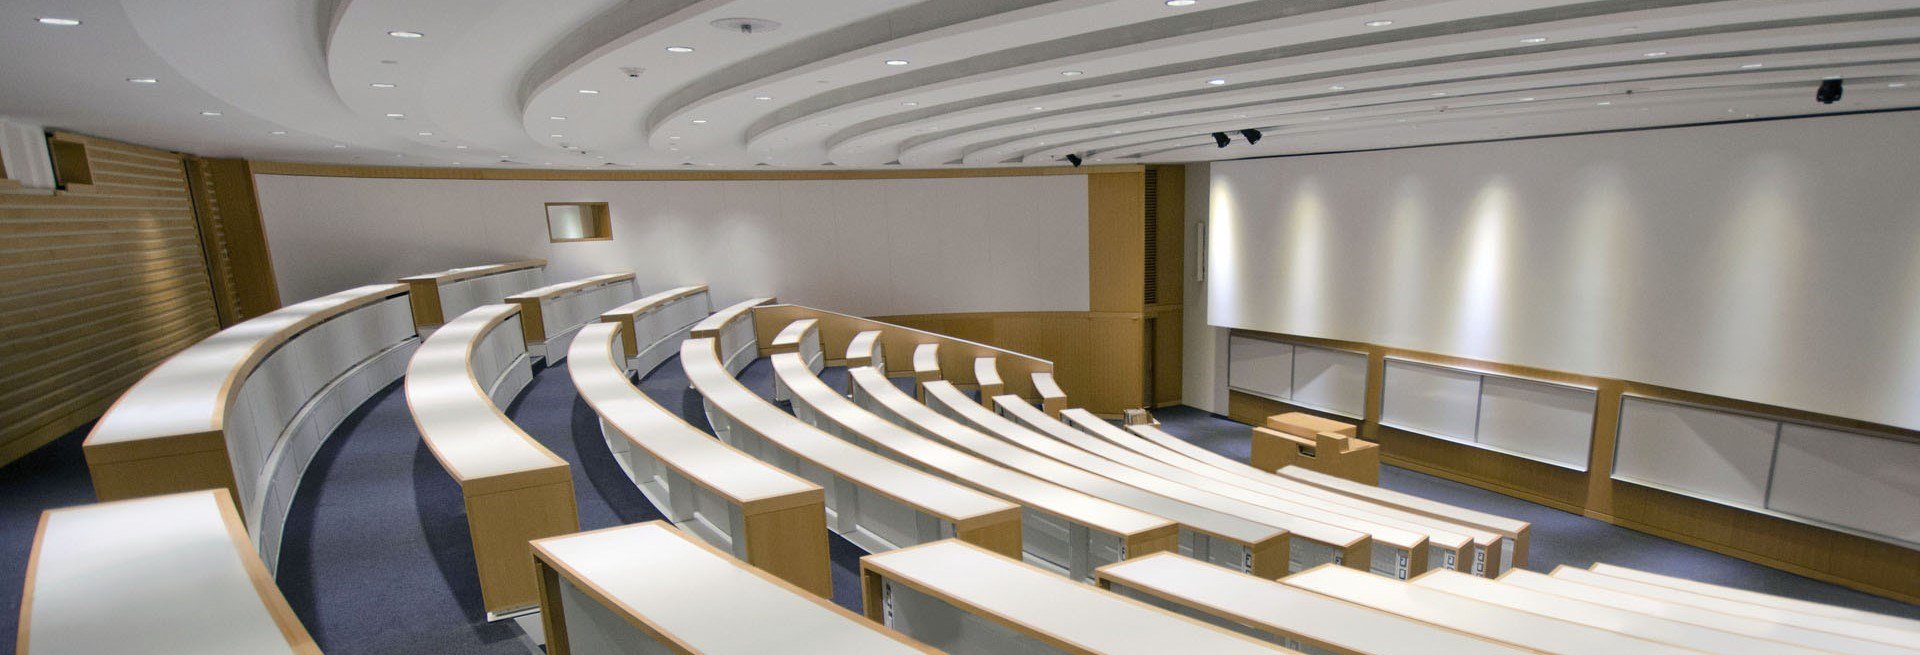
pixel 1757 598
pixel 714 323
pixel 926 358
pixel 595 363
pixel 864 344
pixel 470 436
pixel 189 392
pixel 1017 434
pixel 794 333
pixel 1449 535
pixel 1654 606
pixel 1440 608
pixel 1255 601
pixel 993 449
pixel 163 575
pixel 1023 598
pixel 468 272
pixel 1685 635
pixel 1499 524
pixel 986 371
pixel 1310 522
pixel 558 289
pixel 650 303
pixel 1882 634
pixel 929 494
pixel 707 602
pixel 1045 496
pixel 1044 385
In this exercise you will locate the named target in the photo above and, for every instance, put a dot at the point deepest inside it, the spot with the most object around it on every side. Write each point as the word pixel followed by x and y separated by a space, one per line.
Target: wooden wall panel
pixel 228 214
pixel 97 285
pixel 1868 565
pixel 1116 240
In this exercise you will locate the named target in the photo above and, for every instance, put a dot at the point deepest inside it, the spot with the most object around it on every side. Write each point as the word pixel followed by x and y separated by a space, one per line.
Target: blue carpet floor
pixel 377 558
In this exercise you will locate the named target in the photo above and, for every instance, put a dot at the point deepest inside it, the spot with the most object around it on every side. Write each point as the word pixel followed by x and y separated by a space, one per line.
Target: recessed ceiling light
pixel 909 103
pixel 897 62
pixel 1071 73
pixel 1336 87
pixel 1037 108
pixel 590 92
pixel 1217 81
pixel 143 80
pixel 210 113
pixel 62 22
pixel 381 85
pixel 699 121
pixel 403 34
pixel 1181 3
pixel 1146 111
pixel 1379 23
pixel 1604 103
pixel 1526 100
pixel 1897 85
pixel 396 115
pixel 1534 39
pixel 337 145
pixel 278 133
pixel 459 147
pixel 558 136
pixel 1656 53
pixel 1437 94
pixel 1753 65
pixel 673 138
pixel 424 133
pixel 763 98
pixel 556 118
pixel 679 49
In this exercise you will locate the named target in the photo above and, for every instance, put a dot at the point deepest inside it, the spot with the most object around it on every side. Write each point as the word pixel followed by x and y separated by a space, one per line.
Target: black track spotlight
pixel 1073 159
pixel 1253 135
pixel 1830 92
pixel 1220 139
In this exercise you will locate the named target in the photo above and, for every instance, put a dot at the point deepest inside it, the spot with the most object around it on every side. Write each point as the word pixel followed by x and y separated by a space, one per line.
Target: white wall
pixel 1777 262
pixel 868 247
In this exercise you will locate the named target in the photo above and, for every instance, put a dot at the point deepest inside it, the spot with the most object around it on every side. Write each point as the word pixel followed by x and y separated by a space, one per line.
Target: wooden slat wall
pixel 96 287
pixel 233 237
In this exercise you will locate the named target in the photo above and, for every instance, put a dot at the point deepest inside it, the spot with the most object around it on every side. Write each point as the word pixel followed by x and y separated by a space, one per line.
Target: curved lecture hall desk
pixel 515 490
pixel 967 601
pixel 732 331
pixel 550 315
pixel 438 297
pixel 247 408
pixel 875 503
pixel 767 517
pixel 648 588
pixel 651 328
pixel 1515 534
pixel 1063 530
pixel 1205 534
pixel 163 575
pixel 1297 619
pixel 949 358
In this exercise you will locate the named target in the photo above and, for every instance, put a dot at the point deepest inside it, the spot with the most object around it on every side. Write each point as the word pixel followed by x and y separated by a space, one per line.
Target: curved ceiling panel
pixel 868 83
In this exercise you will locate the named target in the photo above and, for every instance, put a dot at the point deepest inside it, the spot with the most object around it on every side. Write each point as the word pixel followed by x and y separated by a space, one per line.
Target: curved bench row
pixel 651 328
pixel 550 315
pixel 514 489
pixel 898 345
pixel 760 514
pixel 455 291
pixel 1065 530
pixel 874 502
pixel 732 330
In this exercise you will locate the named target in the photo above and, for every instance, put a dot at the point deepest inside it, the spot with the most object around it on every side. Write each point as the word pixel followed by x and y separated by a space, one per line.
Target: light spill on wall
pixel 1772 262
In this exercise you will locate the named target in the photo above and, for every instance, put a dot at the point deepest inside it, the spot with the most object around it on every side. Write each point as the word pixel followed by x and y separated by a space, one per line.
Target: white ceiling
pixel 986 83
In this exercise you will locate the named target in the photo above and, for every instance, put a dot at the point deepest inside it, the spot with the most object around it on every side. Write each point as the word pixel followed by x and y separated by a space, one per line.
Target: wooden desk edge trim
pixel 717 322
pixel 455 275
pixel 569 287
pixel 639 306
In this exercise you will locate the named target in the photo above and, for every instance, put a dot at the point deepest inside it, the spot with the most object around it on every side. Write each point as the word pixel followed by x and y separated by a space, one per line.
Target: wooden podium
pixel 1317 444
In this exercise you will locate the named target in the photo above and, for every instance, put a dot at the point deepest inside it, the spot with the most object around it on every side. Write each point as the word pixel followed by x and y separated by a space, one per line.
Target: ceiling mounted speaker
pixel 1252 135
pixel 1830 92
pixel 746 26
pixel 1073 159
pixel 1220 139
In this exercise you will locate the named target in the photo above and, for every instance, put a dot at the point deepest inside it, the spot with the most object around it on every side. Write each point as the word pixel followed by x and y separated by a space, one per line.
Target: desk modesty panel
pixel 732 329
pixel 648 588
pixel 651 328
pixel 438 297
pixel 550 315
pixel 967 601
pixel 165 575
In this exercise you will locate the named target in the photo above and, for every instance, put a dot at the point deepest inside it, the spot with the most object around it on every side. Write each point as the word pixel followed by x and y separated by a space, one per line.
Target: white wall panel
pixel 1865 483
pixel 1546 421
pixel 1770 262
pixel 1330 380
pixel 1260 366
pixel 1716 455
pixel 1431 400
pixel 867 247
